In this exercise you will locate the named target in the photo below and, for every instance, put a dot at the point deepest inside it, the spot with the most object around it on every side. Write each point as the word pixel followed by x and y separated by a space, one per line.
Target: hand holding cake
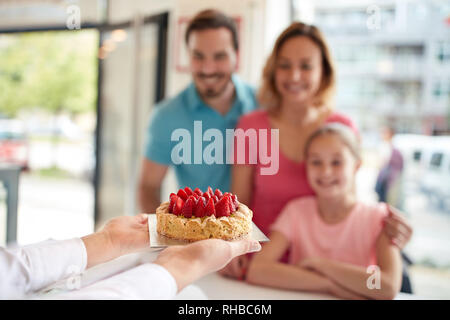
pixel 188 263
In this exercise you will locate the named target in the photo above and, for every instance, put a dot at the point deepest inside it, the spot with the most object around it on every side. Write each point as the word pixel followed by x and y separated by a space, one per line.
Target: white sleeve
pixel 147 281
pixel 31 268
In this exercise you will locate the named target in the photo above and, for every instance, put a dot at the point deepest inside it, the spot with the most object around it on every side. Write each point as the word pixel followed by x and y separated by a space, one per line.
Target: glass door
pixel 131 78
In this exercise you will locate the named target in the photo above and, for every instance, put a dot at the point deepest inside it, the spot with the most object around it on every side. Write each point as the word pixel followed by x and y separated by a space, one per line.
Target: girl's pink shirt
pixel 272 192
pixel 352 240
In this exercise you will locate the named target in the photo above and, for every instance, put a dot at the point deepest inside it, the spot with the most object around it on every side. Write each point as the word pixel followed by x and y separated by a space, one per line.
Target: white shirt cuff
pixel 146 281
pixel 55 260
pixel 35 266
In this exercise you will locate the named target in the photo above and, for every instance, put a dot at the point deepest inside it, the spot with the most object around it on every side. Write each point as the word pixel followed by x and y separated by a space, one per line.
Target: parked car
pixel 427 165
pixel 412 147
pixel 14 147
pixel 436 179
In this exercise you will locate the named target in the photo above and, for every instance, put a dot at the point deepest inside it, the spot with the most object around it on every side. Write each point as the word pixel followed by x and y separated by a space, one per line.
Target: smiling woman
pixel 311 68
pixel 299 73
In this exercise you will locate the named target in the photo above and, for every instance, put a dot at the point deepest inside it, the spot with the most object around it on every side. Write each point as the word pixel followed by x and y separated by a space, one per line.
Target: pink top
pixel 352 240
pixel 272 192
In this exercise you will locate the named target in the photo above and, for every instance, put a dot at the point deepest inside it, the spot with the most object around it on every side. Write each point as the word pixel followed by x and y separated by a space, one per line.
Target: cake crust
pixel 236 226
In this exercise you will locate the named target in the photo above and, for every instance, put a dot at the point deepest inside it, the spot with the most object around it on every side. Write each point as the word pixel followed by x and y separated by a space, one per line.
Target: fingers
pixel 227 271
pixel 244 246
pixel 398 216
pixel 398 243
pixel 224 272
pixel 244 262
pixel 400 239
pixel 212 255
pixel 393 211
pixel 142 218
pixel 396 229
pixel 397 221
pixel 236 269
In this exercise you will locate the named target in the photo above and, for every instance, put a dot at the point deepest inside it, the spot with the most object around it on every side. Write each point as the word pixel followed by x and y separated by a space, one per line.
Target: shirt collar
pixel 194 101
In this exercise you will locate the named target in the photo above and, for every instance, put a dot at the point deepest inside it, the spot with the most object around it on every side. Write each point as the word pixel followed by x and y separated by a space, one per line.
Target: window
pixel 443 51
pixel 436 160
pixel 417 155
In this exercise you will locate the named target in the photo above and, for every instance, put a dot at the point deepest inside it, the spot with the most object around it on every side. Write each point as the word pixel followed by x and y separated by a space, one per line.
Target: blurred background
pixel 78 80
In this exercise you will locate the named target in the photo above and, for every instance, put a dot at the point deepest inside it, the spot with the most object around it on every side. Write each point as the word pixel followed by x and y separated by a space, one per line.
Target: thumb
pixel 244 246
pixel 142 218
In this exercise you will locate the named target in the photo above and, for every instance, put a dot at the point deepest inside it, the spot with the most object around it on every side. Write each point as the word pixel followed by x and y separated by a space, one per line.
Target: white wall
pixel 277 18
pixel 124 10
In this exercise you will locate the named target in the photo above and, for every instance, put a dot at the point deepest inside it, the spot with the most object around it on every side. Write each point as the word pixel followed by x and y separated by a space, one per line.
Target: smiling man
pixel 216 97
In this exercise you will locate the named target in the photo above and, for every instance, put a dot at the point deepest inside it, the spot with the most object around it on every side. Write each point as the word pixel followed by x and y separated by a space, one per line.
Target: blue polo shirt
pixel 180 112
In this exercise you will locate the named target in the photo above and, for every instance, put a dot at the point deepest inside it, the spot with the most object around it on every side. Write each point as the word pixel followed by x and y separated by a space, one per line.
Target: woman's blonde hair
pixel 268 95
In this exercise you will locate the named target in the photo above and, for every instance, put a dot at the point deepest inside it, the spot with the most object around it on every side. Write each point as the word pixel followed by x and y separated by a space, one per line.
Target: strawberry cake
pixel 196 215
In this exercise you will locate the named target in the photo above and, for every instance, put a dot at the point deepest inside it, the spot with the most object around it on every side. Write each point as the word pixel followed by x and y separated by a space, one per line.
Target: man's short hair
pixel 212 19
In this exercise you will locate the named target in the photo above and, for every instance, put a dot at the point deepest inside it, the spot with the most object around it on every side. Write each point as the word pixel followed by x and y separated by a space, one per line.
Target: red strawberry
pixel 196 196
pixel 188 207
pixel 206 195
pixel 210 210
pixel 230 201
pixel 223 207
pixel 173 199
pixel 189 191
pixel 210 191
pixel 215 198
pixel 235 200
pixel 218 193
pixel 198 191
pixel 182 194
pixel 200 209
pixel 178 206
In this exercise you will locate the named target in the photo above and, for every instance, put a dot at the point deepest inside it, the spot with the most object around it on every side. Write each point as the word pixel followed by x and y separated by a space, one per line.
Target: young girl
pixel 332 237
